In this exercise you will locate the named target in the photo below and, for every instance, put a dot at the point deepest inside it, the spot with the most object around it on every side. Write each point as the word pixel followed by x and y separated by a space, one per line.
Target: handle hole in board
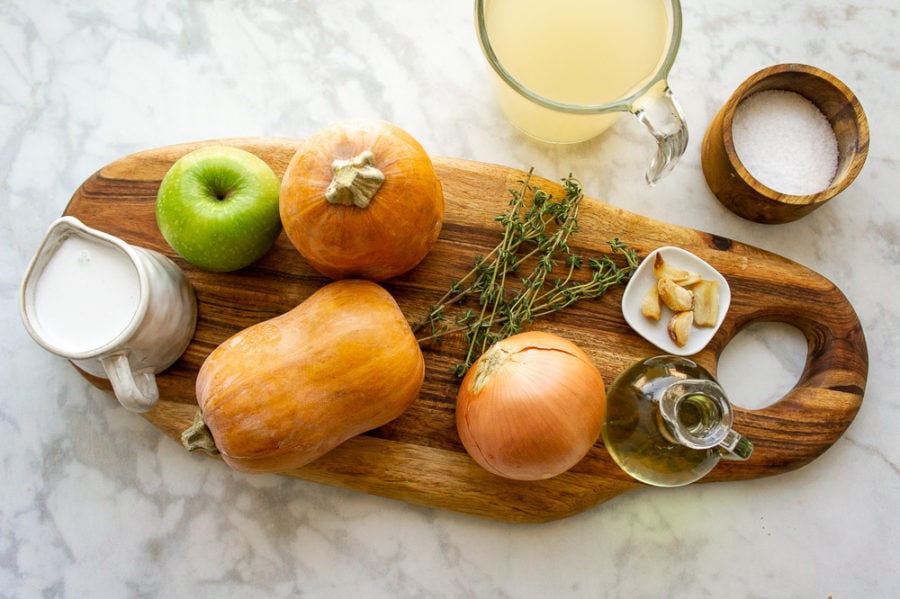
pixel 761 364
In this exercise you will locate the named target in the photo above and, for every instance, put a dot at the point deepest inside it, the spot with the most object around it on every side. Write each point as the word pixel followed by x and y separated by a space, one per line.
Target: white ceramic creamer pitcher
pixel 115 310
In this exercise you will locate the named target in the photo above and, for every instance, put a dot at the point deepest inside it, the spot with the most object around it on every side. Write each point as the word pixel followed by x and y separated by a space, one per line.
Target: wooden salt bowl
pixel 738 190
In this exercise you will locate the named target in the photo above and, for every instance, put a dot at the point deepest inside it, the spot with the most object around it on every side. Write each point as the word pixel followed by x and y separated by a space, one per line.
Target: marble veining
pixel 95 502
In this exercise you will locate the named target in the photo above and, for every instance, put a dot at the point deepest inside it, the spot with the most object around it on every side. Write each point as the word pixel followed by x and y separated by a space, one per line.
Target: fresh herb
pixel 536 236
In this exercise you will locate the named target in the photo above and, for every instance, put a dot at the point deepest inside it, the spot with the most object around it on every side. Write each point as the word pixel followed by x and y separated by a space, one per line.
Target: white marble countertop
pixel 95 502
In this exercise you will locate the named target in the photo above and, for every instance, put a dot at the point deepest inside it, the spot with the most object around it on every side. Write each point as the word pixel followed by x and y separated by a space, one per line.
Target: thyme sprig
pixel 495 299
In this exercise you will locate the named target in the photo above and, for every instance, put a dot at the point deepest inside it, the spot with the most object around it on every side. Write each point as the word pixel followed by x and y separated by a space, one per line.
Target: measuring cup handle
pixel 135 391
pixel 660 112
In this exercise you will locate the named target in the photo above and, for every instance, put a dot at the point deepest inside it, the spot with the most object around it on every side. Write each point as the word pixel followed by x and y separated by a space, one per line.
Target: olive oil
pixel 667 420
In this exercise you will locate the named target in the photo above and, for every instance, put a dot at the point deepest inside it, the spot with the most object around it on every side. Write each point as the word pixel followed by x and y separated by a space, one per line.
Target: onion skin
pixel 531 407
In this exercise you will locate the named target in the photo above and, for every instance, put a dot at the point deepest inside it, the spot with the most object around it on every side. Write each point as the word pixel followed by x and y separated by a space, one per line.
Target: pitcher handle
pixel 660 112
pixel 736 446
pixel 136 391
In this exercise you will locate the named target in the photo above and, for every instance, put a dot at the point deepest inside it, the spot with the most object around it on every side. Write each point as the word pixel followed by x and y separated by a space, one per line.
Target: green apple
pixel 218 208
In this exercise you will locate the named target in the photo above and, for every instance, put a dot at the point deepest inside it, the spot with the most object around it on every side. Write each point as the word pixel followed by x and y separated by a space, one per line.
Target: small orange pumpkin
pixel 286 391
pixel 360 199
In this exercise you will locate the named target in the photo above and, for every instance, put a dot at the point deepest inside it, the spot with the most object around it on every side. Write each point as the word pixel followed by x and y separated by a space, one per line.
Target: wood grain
pixel 418 458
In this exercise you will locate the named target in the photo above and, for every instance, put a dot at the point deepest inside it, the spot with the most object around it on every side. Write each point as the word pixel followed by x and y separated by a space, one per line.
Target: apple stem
pixel 355 181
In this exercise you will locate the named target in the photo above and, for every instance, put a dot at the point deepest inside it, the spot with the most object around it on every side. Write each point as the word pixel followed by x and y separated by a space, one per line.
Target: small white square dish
pixel 656 331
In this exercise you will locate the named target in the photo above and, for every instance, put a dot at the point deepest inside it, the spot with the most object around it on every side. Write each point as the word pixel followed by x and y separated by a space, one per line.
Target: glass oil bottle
pixel 668 422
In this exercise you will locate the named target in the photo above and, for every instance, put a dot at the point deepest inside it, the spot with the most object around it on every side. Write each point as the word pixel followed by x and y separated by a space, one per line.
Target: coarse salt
pixel 785 142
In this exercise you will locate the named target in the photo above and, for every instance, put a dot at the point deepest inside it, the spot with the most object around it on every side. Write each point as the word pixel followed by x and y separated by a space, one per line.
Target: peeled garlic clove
pixel 664 270
pixel 674 296
pixel 680 327
pixel 650 306
pixel 706 303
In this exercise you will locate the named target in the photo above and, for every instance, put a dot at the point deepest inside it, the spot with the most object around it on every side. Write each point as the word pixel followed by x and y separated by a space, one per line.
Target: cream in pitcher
pixel 566 69
pixel 116 311
pixel 87 293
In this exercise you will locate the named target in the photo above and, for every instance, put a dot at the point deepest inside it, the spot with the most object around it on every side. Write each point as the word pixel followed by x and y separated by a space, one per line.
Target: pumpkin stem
pixel 198 436
pixel 355 181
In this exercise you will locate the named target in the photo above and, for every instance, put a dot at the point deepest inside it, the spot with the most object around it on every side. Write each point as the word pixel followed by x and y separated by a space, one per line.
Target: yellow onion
pixel 531 407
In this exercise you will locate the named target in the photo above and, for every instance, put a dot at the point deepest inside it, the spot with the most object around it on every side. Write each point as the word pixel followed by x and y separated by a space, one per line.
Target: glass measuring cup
pixel 565 70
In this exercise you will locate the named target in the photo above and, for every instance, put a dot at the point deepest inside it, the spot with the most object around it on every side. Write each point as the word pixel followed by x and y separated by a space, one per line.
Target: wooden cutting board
pixel 418 458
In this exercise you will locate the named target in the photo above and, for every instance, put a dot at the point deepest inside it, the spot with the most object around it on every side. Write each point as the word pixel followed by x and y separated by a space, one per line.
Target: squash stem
pixel 355 181
pixel 198 436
